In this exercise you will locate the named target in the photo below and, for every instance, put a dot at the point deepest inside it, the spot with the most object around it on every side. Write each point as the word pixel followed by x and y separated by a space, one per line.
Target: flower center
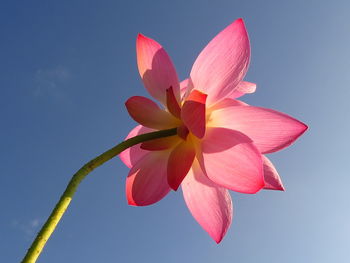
pixel 192 113
pixel 182 132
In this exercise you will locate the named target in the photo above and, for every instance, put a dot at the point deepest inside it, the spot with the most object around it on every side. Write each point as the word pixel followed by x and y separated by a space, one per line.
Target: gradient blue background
pixel 68 66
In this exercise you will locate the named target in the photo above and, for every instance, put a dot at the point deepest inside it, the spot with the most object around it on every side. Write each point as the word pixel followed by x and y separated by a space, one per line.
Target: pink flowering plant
pixel 201 137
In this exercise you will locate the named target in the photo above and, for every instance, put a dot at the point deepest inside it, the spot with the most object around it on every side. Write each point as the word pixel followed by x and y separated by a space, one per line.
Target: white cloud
pixel 28 229
pixel 34 223
pixel 49 83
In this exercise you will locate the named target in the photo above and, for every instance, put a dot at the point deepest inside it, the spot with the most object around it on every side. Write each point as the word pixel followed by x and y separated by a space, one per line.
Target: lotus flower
pixel 220 142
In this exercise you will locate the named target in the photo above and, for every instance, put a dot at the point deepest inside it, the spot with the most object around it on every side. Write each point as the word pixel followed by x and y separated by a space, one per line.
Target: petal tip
pixel 280 187
pixel 302 129
pixel 132 203
pixel 305 127
pixel 239 20
pixel 140 39
pixel 174 187
pixel 275 188
pixel 218 239
pixel 140 36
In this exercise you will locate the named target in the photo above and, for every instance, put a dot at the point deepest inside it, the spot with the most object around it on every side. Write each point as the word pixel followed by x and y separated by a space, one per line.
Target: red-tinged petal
pixel 231 160
pixel 193 113
pixel 243 87
pixel 133 154
pixel 271 177
pixel 147 183
pixel 160 144
pixel 270 130
pixel 156 68
pixel 210 204
pixel 172 104
pixel 180 162
pixel 148 113
pixel 223 63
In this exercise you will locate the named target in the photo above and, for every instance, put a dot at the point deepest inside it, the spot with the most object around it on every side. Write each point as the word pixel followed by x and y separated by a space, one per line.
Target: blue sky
pixel 67 68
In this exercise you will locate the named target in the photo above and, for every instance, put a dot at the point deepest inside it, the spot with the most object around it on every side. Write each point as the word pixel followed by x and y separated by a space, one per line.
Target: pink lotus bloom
pixel 220 142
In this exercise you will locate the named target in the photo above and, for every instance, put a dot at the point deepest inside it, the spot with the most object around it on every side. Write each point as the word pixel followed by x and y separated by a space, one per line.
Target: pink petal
pixel 133 154
pixel 223 63
pixel 226 103
pixel 147 113
pixel 271 177
pixel 180 162
pixel 147 183
pixel 184 86
pixel 231 160
pixel 156 68
pixel 270 130
pixel 243 87
pixel 193 113
pixel 209 204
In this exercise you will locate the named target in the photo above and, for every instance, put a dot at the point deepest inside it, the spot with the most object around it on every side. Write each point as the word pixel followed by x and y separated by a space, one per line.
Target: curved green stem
pixel 51 223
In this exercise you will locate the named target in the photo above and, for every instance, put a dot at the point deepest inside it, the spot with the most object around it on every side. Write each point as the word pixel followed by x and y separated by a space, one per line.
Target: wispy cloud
pixel 28 229
pixel 50 83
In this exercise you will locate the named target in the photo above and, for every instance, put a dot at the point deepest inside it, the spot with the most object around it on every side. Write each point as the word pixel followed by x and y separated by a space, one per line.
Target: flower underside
pixel 220 143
